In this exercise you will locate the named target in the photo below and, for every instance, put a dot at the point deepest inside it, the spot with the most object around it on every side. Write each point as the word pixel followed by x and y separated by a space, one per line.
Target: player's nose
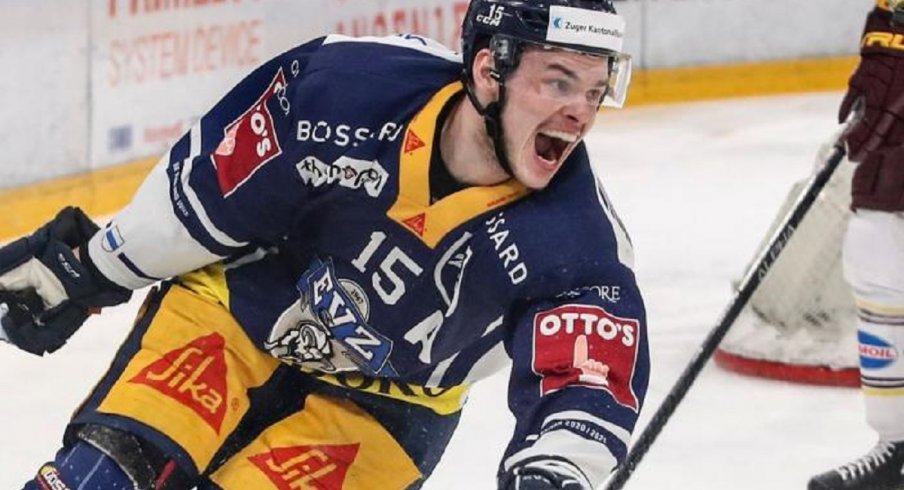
pixel 578 113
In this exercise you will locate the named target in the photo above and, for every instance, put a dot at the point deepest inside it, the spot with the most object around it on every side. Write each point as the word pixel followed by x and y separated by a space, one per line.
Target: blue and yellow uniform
pixel 342 299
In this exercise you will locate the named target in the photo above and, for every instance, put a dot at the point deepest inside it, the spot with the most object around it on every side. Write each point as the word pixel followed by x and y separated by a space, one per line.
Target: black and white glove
pixel 544 474
pixel 46 292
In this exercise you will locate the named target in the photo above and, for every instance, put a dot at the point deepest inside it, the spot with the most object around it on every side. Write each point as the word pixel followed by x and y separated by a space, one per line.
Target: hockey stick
pixel 749 284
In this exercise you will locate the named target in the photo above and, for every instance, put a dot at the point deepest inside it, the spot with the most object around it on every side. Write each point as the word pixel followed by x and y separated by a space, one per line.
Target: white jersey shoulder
pixel 410 41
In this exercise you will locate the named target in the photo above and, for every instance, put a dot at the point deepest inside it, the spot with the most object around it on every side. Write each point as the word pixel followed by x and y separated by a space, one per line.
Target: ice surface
pixel 697 185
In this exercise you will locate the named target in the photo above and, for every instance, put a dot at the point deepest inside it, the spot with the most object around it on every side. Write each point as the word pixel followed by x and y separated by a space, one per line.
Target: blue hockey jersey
pixel 302 202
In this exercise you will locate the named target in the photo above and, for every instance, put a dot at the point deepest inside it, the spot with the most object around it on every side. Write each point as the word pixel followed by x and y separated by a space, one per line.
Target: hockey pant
pixel 189 402
pixel 874 267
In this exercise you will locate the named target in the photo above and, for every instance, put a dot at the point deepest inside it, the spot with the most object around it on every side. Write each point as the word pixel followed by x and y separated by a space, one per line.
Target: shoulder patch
pixel 584 345
pixel 250 141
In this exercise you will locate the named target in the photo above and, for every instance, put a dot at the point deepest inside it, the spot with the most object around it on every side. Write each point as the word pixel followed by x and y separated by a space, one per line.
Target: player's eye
pixel 560 86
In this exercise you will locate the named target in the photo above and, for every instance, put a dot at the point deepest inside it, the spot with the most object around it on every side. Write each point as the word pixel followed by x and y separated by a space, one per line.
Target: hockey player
pixel 349 239
pixel 874 248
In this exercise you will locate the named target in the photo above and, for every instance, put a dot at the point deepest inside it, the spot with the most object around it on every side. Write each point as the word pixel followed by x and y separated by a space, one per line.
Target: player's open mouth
pixel 551 145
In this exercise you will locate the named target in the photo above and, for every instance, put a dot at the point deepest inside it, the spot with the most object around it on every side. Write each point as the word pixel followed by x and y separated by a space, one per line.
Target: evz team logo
pixel 250 141
pixel 347 172
pixel 584 345
pixel 327 330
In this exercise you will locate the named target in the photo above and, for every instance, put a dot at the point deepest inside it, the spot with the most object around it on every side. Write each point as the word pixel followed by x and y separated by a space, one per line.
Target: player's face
pixel 552 101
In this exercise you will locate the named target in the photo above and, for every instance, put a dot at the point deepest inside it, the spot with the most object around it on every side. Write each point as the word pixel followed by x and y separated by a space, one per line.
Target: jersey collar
pixel 412 209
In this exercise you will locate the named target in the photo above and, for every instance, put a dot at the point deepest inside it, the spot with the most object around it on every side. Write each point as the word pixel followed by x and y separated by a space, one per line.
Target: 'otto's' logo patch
pixel 875 352
pixel 193 375
pixel 250 141
pixel 584 345
pixel 307 467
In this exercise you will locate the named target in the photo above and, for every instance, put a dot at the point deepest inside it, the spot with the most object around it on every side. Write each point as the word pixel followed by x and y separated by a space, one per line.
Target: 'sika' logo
pixel 417 223
pixel 193 375
pixel 307 467
pixel 413 142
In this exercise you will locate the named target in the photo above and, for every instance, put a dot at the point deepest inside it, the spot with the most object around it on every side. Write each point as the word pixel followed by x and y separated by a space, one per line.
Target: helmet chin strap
pixel 492 118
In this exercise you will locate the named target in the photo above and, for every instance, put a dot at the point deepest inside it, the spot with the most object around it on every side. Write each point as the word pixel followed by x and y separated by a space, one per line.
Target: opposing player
pixel 349 239
pixel 874 249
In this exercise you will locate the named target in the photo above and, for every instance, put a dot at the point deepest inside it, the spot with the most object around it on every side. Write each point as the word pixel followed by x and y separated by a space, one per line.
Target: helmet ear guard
pixel 506 53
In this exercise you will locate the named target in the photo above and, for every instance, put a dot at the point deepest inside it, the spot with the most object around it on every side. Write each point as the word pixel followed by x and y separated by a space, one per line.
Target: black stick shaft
pixel 748 286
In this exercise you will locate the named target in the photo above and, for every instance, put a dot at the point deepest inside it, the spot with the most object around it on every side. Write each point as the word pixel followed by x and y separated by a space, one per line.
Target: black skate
pixel 878 470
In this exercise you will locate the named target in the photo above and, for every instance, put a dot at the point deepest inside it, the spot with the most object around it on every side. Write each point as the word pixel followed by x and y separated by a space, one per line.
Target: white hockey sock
pixel 874 268
pixel 881 339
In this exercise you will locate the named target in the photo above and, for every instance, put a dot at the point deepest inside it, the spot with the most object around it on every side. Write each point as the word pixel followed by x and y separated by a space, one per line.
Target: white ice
pixel 697 185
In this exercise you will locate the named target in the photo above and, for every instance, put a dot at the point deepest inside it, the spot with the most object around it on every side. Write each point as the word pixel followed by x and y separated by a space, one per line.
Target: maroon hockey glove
pixel 879 81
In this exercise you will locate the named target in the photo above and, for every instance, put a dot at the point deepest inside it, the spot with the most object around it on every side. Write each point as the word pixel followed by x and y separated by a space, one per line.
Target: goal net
pixel 800 324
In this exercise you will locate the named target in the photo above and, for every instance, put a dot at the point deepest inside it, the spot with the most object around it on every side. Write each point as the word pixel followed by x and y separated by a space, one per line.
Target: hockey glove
pixel 879 81
pixel 47 291
pixel 544 474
